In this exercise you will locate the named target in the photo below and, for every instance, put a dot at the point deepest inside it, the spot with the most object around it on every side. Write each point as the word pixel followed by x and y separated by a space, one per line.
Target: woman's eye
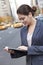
pixel 21 18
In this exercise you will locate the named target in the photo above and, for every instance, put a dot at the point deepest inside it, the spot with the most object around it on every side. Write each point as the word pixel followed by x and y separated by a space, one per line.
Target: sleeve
pixel 35 50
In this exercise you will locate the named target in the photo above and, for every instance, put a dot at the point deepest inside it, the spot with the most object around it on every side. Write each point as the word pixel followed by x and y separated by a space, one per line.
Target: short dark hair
pixel 25 9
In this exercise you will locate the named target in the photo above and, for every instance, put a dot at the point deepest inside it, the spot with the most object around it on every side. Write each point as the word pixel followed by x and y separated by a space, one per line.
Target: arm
pixel 35 50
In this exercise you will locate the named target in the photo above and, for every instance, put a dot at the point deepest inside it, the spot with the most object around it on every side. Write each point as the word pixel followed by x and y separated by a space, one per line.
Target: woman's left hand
pixel 22 48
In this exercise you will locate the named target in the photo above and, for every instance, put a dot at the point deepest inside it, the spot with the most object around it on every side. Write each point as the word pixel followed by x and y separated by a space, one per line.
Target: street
pixel 11 38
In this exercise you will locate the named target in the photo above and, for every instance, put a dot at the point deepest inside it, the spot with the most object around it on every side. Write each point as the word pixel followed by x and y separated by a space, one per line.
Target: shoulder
pixel 40 23
pixel 40 17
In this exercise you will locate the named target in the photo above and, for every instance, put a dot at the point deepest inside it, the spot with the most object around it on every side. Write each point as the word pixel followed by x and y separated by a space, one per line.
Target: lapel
pixel 36 30
pixel 26 31
pixel 24 37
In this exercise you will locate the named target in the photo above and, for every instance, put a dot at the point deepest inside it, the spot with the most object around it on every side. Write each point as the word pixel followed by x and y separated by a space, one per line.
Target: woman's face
pixel 25 19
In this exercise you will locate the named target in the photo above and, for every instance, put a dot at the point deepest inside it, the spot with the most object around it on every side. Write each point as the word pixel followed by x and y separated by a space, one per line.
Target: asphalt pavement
pixel 11 38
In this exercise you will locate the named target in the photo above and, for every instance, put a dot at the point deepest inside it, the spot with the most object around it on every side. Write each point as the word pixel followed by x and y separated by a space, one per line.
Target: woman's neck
pixel 33 21
pixel 31 27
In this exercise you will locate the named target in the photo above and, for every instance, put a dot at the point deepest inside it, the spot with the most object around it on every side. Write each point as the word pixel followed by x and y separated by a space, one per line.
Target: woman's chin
pixel 26 25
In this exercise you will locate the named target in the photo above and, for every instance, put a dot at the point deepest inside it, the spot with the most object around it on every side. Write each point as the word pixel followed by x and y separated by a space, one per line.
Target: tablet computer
pixel 17 50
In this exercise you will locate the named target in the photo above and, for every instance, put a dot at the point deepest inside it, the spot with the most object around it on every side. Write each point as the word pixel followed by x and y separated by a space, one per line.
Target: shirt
pixel 29 39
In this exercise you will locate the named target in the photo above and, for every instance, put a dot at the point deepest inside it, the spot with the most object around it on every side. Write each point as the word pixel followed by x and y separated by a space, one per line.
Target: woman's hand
pixel 22 48
pixel 7 49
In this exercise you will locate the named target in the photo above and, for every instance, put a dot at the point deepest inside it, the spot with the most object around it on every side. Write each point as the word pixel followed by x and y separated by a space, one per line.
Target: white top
pixel 29 39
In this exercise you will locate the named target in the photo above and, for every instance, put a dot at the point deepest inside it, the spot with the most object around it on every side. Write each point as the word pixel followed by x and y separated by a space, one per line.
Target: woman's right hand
pixel 9 51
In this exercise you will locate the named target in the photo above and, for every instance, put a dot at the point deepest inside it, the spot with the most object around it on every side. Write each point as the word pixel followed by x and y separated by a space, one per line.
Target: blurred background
pixel 8 9
pixel 10 36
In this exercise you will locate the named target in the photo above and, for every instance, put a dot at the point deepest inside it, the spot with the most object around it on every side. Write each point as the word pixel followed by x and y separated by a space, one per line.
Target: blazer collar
pixel 37 27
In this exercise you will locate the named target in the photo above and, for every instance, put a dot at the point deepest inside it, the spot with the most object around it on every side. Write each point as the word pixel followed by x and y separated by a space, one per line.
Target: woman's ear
pixel 30 14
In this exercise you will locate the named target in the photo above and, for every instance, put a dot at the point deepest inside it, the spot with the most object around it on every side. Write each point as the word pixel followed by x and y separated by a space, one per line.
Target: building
pixel 5 8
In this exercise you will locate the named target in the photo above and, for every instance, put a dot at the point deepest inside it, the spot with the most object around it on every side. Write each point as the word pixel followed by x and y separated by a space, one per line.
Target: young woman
pixel 31 36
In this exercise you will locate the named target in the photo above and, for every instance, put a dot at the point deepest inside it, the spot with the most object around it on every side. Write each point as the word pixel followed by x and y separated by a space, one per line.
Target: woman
pixel 31 36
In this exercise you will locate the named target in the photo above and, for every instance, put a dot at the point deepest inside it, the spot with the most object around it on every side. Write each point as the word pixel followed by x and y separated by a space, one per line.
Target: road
pixel 10 37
